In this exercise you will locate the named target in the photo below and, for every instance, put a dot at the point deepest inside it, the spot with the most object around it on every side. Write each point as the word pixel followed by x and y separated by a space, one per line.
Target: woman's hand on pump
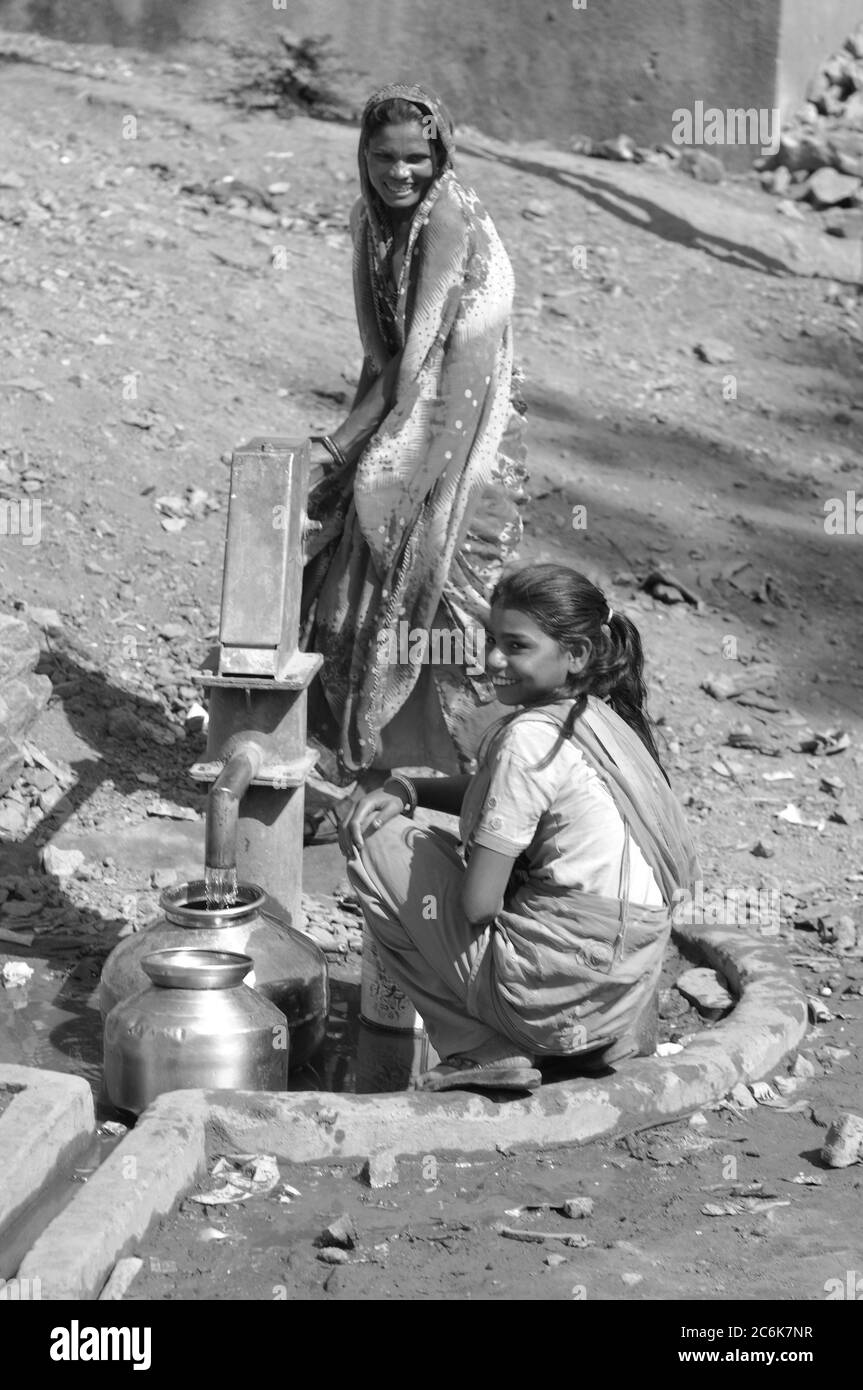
pixel 366 816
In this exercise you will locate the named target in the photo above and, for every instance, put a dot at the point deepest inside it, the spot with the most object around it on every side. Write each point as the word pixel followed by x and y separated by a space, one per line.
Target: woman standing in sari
pixel 416 507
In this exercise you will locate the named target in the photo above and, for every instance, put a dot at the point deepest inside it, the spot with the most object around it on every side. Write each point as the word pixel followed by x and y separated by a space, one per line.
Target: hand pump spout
pixel 223 804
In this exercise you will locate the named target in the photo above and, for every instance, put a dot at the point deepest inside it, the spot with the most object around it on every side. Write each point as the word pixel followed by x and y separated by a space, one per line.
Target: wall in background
pixel 528 69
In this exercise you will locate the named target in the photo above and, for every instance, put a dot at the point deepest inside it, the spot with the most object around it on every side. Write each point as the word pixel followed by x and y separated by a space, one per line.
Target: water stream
pixel 220 887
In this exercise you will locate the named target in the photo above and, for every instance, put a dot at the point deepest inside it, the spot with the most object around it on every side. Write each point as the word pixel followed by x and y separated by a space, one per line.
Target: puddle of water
pixel 53 1021
pixel 357 1058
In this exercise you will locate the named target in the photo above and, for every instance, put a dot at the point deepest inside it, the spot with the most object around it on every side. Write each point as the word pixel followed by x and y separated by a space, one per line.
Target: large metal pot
pixel 287 967
pixel 195 1025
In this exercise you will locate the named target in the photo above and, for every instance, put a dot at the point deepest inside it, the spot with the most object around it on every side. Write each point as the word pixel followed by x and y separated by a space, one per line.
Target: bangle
pixel 332 449
pixel 404 787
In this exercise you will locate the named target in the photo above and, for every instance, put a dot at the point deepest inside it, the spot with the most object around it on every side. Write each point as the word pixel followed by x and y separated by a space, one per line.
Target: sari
pixel 414 535
pixel 564 971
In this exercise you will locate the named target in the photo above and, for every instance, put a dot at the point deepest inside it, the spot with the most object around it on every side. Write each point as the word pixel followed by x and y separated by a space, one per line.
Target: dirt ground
pixel 150 326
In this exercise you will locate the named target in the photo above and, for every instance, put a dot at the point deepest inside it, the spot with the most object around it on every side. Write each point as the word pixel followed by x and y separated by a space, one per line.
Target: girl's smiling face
pixel 527 666
pixel 400 165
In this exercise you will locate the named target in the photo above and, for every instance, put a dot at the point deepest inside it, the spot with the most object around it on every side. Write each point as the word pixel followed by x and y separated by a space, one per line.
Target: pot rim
pixel 174 903
pixel 184 968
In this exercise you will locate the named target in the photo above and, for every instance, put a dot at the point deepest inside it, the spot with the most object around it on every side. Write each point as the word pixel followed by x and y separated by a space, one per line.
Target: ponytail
pixel 622 682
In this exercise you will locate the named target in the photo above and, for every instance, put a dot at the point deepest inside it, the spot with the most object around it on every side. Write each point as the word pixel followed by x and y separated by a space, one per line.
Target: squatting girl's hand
pixel 367 816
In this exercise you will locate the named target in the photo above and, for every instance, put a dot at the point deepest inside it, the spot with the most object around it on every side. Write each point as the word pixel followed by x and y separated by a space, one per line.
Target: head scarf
pixel 443 141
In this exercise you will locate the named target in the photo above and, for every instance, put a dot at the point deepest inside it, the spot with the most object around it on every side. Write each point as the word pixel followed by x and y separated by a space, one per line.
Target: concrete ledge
pixel 162 1157
pixel 165 1153
pixel 49 1121
pixel 767 1023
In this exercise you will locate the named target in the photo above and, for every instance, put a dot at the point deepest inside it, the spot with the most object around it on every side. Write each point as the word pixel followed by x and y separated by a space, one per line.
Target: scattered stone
pixel 15 973
pixel 621 148
pixel 714 351
pixel 577 1242
pixel 13 819
pixel 818 1012
pixel 838 931
pixel 762 851
pixel 703 167
pixel 844 1142
pixel 380 1169
pixel 332 1255
pixel 341 1234
pixel 827 186
pixel 121 1277
pixel 62 863
pixel 631 1279
pixel 845 814
pixel 705 989
pixel 778 181
pixel 163 878
pixel 757 676
pixel 803 1069
pixel 537 209
pixel 577 1208
pixel 170 811
pixel 196 719
pixel 742 1096
pixel 554 1261
pixel 834 786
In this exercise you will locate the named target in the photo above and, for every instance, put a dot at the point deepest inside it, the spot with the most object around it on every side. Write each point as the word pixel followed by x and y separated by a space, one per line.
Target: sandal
pixel 459 1073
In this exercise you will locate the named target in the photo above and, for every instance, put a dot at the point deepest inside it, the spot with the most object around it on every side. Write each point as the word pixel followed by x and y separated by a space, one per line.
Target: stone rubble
pixel 820 156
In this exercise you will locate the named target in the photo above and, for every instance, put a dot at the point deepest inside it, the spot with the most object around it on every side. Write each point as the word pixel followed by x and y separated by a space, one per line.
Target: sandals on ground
pixel 459 1073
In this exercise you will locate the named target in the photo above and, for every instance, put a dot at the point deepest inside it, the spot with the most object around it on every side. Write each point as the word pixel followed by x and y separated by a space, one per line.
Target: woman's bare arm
pixel 368 413
pixel 487 875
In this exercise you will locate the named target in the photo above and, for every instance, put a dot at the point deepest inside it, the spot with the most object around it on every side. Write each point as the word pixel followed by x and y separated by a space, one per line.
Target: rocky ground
pixel 176 279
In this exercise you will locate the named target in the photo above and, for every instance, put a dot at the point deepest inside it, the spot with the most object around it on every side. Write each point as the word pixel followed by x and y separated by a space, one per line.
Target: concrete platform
pixel 49 1121
pixel 167 1151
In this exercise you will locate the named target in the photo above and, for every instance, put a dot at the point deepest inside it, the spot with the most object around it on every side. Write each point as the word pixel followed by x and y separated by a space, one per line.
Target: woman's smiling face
pixel 400 165
pixel 525 664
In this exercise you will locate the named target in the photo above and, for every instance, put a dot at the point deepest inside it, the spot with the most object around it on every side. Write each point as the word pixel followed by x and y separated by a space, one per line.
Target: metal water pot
pixel 195 1025
pixel 288 968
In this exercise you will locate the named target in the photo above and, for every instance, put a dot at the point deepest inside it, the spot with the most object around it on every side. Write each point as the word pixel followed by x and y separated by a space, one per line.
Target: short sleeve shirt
pixel 538 796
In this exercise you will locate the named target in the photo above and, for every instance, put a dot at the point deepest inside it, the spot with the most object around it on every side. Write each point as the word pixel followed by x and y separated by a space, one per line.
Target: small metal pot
pixel 289 968
pixel 196 1025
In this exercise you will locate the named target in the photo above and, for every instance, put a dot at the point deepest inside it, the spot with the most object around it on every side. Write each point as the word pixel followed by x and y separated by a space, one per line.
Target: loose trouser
pixel 549 981
pixel 408 881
